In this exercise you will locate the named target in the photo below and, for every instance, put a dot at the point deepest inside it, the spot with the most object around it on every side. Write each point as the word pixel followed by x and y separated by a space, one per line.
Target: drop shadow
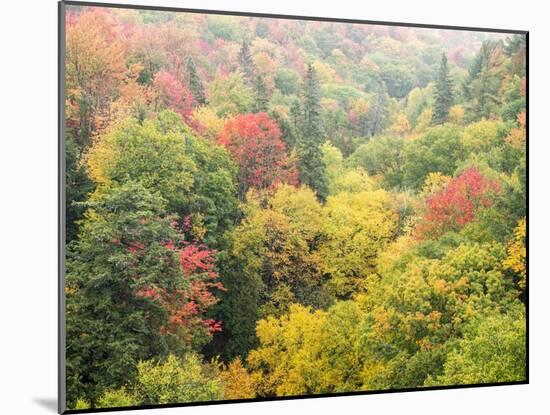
pixel 48 403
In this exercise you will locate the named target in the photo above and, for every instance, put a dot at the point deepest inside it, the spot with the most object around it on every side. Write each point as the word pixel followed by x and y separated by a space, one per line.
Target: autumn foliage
pixel 174 95
pixel 261 207
pixel 457 204
pixel 186 307
pixel 254 140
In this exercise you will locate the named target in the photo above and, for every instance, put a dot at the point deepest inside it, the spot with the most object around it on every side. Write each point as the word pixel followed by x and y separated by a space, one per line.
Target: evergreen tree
pixel 444 96
pixel 310 163
pixel 378 115
pixel 286 125
pixel 481 86
pixel 121 252
pixel 295 114
pixel 195 83
pixel 245 60
pixel 261 100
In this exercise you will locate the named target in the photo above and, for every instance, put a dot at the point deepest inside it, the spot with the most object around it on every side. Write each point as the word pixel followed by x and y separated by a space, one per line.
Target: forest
pixel 261 207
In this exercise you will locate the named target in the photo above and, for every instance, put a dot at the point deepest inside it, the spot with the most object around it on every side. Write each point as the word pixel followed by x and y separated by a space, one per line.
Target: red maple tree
pixel 254 141
pixel 186 307
pixel 174 95
pixel 457 204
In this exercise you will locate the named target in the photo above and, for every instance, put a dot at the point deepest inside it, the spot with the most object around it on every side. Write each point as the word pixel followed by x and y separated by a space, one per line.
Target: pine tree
pixel 295 114
pixel 378 115
pixel 261 100
pixel 444 96
pixel 245 60
pixel 481 87
pixel 195 83
pixel 310 163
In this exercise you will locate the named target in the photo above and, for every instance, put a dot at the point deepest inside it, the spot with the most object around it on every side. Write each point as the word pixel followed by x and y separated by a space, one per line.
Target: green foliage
pixel 82 404
pixel 287 81
pixel 341 179
pixel 116 398
pixel 229 95
pixel 438 150
pixel 272 257
pixel 77 188
pixel 381 156
pixel 177 381
pixel 195 83
pixel 310 137
pixel 492 350
pixel 482 136
pixel 245 61
pixel 153 153
pixel 398 79
pixel 482 84
pixel 261 98
pixel 378 114
pixel 194 176
pixel 371 250
pixel 109 326
pixel 417 101
pixel 444 95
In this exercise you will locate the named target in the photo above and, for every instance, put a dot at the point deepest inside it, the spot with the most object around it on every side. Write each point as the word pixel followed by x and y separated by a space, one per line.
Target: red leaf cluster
pixel 174 95
pixel 186 307
pixel 457 204
pixel 254 140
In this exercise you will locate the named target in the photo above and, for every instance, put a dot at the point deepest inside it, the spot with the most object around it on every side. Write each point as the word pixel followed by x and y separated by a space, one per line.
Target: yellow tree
pixel 357 227
pixel 517 253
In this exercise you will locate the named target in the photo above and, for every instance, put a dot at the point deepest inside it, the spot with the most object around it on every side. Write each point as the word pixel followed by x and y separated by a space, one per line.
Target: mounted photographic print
pixel 258 207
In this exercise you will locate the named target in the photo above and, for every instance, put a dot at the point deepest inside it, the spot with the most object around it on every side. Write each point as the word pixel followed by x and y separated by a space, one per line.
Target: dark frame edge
pixel 61 342
pixel 290 17
pixel 527 115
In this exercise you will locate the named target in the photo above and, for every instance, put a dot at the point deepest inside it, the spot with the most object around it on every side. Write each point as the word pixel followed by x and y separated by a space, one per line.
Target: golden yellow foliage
pixel 238 382
pixel 433 183
pixel 400 126
pixel 517 253
pixel 456 114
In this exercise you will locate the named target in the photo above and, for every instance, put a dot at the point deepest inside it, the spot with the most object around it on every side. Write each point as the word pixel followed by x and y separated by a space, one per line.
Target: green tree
pixel 195 83
pixel 492 350
pixel 121 251
pixel 77 188
pixel 192 174
pixel 229 95
pixel 261 98
pixel 177 381
pixel 444 95
pixel 438 150
pixel 246 63
pixel 310 137
pixel 272 261
pixel 482 84
pixel 378 113
pixel 381 156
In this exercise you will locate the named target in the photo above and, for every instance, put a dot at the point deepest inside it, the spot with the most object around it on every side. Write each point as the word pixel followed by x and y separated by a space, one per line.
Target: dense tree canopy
pixel 270 207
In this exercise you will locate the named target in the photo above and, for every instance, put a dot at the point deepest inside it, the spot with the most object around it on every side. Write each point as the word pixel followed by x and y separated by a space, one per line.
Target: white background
pixel 28 205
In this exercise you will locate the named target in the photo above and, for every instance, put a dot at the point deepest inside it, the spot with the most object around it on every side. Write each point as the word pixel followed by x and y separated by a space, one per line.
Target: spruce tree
pixel 295 114
pixel 245 60
pixel 444 96
pixel 261 100
pixel 310 163
pixel 195 83
pixel 378 115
